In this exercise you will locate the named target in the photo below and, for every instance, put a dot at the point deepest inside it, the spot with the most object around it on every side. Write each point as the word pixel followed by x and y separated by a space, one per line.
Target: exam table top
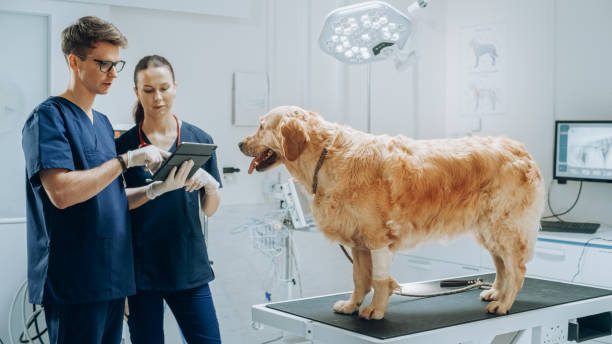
pixel 408 315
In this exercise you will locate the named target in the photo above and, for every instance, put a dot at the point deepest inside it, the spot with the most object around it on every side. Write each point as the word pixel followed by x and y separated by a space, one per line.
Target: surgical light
pixel 367 32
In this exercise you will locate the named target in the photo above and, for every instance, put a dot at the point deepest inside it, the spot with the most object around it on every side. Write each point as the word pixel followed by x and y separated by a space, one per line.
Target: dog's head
pixel 282 136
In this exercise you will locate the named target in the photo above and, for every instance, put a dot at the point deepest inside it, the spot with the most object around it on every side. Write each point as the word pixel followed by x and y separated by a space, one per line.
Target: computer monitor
pixel 583 151
pixel 298 204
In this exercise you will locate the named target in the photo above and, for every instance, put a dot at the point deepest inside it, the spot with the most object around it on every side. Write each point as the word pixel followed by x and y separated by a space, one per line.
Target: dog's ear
pixel 294 138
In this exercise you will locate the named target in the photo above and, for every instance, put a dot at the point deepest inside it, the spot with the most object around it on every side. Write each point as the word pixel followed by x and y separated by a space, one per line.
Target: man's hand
pixel 175 180
pixel 202 179
pixel 149 156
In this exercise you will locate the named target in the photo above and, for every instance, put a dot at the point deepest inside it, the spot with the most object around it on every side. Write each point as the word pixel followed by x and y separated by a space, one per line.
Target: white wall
pixel 582 91
pixel 524 60
pixel 557 67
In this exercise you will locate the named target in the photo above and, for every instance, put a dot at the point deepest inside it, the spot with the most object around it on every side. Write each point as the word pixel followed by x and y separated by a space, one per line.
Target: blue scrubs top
pixel 83 253
pixel 169 249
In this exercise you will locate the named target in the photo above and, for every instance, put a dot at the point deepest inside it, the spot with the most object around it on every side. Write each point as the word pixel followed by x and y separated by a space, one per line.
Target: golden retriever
pixel 380 194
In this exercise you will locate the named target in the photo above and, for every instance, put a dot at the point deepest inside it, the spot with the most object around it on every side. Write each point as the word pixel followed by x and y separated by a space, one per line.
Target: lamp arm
pixel 415 6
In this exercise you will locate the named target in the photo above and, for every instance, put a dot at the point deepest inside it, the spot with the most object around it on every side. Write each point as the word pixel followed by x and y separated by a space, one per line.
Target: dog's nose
pixel 240 145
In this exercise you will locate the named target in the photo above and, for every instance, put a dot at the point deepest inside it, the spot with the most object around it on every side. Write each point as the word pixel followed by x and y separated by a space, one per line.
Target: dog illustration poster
pixel 483 66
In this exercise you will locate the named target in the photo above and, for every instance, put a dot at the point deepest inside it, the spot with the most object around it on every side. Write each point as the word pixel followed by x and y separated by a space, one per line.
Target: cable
pixel 12 308
pixel 565 212
pixel 32 319
pixel 294 256
pixel 479 284
pixel 25 337
pixel 582 255
pixel 346 254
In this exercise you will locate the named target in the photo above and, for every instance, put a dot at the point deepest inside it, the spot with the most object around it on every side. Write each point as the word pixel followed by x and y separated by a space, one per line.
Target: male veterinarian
pixel 80 265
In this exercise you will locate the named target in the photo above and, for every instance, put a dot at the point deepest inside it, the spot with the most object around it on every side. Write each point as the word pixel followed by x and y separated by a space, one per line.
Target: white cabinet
pixel 462 250
pixel 582 258
pixel 554 260
pixel 596 265
pixel 410 268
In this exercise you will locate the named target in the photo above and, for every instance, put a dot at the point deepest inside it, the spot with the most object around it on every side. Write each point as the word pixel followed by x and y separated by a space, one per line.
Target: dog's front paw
pixel 346 307
pixel 490 295
pixel 370 312
pixel 497 307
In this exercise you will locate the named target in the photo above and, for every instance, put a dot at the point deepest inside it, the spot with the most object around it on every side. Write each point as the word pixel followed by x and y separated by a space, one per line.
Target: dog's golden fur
pixel 378 191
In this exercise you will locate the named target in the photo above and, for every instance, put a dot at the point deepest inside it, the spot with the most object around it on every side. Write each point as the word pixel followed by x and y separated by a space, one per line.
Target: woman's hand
pixel 202 179
pixel 175 180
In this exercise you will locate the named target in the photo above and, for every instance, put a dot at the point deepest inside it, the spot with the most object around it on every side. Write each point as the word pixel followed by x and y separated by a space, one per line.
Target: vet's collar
pixel 315 177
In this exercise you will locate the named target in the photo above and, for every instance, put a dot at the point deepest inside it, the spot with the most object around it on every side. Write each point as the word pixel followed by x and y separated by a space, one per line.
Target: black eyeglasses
pixel 106 66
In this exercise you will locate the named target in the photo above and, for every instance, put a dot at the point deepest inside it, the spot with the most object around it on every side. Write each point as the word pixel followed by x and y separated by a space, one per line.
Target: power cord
pixel 28 322
pixel 579 266
pixel 477 283
pixel 555 215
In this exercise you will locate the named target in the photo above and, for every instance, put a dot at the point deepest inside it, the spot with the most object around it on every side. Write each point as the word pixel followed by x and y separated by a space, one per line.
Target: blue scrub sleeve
pixel 45 144
pixel 210 166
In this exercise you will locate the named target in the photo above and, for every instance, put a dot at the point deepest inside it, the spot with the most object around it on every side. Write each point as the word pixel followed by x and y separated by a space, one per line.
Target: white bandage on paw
pixel 381 263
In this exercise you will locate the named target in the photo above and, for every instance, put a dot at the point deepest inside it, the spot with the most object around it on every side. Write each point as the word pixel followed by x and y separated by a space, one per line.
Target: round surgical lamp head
pixel 365 32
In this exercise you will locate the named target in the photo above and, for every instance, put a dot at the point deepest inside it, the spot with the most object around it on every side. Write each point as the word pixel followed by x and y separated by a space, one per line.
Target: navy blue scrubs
pixel 82 254
pixel 170 256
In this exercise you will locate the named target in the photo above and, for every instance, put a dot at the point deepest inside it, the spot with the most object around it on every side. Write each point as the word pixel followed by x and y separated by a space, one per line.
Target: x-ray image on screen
pixel 583 150
pixel 590 147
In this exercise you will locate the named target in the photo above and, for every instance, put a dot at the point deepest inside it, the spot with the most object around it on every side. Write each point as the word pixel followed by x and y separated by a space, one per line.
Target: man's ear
pixel 72 61
pixel 294 138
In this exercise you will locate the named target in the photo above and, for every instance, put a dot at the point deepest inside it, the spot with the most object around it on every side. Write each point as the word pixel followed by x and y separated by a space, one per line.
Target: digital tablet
pixel 198 152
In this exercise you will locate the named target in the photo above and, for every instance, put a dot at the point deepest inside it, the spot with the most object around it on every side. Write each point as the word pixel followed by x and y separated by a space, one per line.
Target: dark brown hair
pixel 145 63
pixel 78 38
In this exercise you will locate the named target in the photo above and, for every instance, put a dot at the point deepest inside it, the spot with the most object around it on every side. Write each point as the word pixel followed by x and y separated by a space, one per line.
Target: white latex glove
pixel 149 156
pixel 175 180
pixel 202 179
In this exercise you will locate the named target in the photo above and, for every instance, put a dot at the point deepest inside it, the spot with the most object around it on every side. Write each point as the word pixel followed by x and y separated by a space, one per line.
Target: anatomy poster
pixel 483 70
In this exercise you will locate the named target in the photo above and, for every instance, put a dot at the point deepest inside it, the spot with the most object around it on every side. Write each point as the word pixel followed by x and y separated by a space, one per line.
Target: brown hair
pixel 79 37
pixel 145 63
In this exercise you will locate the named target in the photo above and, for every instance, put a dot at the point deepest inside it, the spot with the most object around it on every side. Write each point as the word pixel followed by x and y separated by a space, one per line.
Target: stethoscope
pixel 144 144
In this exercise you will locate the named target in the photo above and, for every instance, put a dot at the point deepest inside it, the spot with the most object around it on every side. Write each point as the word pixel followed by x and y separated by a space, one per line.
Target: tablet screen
pixel 198 152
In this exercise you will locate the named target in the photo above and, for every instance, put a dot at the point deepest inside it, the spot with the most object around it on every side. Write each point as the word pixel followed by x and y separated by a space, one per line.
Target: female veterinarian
pixel 170 257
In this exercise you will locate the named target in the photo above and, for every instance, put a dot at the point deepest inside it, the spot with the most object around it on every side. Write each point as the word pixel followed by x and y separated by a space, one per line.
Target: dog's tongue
pixel 254 163
pixel 256 160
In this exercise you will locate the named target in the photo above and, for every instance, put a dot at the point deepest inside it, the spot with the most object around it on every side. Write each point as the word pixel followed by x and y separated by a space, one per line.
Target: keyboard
pixel 569 227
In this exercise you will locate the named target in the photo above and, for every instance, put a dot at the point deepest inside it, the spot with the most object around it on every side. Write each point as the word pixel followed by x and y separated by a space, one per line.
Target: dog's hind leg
pixel 382 283
pixel 362 278
pixel 513 255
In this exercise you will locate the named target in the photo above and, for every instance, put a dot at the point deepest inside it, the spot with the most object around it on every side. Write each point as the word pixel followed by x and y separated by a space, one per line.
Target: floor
pixel 242 272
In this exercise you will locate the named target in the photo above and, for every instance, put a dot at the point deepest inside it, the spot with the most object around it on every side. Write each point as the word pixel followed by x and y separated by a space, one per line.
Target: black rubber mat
pixel 407 315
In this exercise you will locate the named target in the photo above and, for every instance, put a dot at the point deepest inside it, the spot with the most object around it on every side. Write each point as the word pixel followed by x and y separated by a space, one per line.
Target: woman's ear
pixel 136 92
pixel 294 138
